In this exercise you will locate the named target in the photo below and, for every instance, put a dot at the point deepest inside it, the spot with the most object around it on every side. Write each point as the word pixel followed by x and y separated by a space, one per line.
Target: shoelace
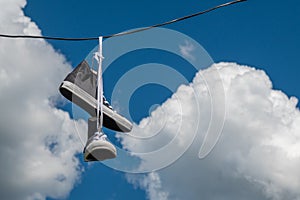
pixel 95 137
pixel 106 103
pixel 99 136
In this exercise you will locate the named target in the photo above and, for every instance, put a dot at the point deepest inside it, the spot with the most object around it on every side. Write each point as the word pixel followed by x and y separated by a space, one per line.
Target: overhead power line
pixel 126 32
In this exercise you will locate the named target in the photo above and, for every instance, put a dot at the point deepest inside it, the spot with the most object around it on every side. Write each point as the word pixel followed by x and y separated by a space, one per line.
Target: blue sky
pixel 262 34
pixel 257 33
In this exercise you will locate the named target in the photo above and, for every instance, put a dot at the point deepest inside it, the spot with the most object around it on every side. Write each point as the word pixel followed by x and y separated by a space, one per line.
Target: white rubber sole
pixel 121 121
pixel 99 150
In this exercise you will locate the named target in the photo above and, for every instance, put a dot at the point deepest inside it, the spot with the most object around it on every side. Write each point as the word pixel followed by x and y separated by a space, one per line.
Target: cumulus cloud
pixel 38 142
pixel 151 182
pixel 257 156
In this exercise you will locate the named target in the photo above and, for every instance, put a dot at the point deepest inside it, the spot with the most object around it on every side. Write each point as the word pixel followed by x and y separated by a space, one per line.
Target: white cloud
pixel 38 142
pixel 151 182
pixel 257 156
pixel 187 49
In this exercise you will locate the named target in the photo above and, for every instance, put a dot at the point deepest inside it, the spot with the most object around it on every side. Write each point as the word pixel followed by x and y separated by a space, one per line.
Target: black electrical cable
pixel 126 32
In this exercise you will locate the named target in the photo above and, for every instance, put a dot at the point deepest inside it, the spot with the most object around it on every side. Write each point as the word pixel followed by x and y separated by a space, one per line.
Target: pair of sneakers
pixel 80 87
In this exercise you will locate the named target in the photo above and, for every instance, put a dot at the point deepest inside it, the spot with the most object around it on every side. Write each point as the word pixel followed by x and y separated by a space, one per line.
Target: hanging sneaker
pixel 80 88
pixel 98 148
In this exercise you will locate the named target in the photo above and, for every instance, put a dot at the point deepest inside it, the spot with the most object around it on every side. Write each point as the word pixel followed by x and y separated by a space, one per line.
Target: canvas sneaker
pixel 80 88
pixel 98 148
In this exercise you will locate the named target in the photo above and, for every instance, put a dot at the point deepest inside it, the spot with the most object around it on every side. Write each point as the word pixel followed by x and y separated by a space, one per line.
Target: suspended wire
pixel 126 32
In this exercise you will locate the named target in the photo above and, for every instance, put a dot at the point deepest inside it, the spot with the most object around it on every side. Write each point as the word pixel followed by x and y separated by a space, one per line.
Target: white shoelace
pixel 99 136
pixel 107 104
